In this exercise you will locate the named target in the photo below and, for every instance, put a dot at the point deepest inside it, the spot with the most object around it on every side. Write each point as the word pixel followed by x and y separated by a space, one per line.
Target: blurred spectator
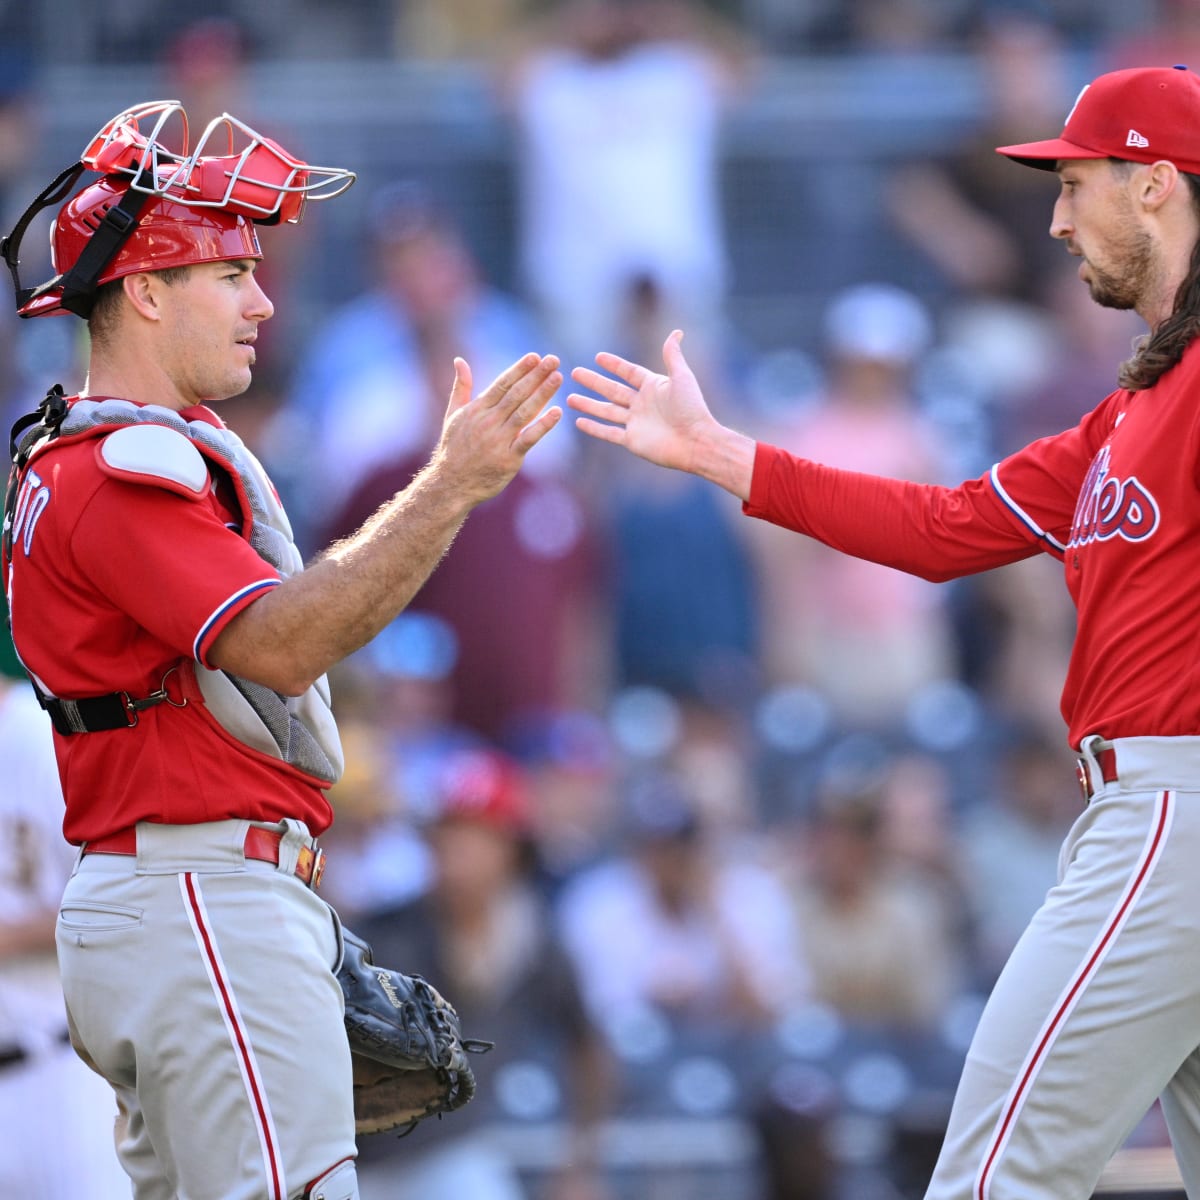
pixel 1012 840
pixel 897 26
pixel 864 635
pixel 484 938
pixel 1039 367
pixel 858 26
pixel 797 1150
pixel 206 64
pixel 675 924
pixel 375 855
pixel 715 757
pixel 1016 630
pixel 45 350
pixel 1027 335
pixel 618 112
pixel 676 550
pixel 1172 36
pixel 891 26
pixel 394 702
pixel 878 945
pixel 570 760
pixel 984 228
pixel 57 1116
pixel 457 29
pixel 20 122
pixel 920 833
pixel 373 386
pixel 674 546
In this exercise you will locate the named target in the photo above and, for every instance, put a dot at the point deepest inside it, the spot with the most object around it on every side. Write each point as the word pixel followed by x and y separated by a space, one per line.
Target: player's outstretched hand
pixel 485 438
pixel 660 418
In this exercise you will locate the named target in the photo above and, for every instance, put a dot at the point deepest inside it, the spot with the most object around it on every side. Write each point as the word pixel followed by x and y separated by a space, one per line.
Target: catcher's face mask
pixel 155 208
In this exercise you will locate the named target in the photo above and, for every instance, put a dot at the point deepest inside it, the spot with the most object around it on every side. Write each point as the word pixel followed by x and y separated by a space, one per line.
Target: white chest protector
pixel 157 446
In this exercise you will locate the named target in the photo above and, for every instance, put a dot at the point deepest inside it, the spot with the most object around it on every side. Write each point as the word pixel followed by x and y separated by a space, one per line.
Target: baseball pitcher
pixel 1097 1012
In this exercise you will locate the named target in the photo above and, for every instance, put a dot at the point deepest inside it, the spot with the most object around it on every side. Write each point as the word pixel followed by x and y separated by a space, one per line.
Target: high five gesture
pixel 662 418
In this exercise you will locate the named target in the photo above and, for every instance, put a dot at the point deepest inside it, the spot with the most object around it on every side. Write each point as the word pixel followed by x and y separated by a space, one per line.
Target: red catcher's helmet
pixel 154 208
pixel 168 234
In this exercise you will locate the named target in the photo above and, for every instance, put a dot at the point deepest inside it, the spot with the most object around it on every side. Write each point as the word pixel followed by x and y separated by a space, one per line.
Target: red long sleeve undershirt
pixel 938 533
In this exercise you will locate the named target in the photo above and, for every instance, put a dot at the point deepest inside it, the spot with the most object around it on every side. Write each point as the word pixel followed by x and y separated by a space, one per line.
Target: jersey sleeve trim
pixel 1052 543
pixel 221 616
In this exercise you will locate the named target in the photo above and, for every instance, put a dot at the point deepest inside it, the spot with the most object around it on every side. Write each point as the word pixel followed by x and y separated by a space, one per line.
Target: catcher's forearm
pixel 294 633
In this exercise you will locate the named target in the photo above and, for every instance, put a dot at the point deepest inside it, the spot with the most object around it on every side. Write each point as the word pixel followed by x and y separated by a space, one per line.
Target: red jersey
pixel 118 586
pixel 1117 499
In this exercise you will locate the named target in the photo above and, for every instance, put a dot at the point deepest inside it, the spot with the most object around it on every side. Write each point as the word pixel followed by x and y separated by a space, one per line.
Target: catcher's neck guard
pixel 258 182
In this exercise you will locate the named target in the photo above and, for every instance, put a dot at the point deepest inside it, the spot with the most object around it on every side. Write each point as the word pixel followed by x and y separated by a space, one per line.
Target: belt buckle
pixel 1085 781
pixel 311 862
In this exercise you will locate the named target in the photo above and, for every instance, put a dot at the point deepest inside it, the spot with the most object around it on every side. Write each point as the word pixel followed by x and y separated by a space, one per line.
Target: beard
pixel 1113 291
pixel 1131 272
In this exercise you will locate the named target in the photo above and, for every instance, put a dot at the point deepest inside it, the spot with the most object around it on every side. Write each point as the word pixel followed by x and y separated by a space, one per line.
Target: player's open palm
pixel 657 417
pixel 485 438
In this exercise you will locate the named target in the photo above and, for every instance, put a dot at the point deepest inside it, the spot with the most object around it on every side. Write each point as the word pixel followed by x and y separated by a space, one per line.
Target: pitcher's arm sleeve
pixel 935 532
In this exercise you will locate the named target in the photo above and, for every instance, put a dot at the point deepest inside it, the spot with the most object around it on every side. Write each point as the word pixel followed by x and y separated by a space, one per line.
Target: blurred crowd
pixel 721 837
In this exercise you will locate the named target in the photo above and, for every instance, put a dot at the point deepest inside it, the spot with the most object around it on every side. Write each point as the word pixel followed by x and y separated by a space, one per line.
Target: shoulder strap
pixel 49 413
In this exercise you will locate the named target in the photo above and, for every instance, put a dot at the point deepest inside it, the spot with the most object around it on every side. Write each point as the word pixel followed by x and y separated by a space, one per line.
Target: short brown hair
pixel 103 316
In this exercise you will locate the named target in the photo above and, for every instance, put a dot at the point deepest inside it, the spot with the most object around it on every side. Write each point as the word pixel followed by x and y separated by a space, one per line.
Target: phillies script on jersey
pixel 1110 507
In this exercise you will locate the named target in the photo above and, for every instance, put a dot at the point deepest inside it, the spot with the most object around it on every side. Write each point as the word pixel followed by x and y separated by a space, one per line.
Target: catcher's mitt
pixel 410 1059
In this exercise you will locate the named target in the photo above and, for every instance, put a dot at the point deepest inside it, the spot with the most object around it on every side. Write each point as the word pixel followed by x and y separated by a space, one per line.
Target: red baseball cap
pixel 485 785
pixel 1143 114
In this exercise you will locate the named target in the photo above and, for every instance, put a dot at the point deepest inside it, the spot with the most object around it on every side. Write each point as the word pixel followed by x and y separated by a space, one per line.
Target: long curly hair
pixel 1157 352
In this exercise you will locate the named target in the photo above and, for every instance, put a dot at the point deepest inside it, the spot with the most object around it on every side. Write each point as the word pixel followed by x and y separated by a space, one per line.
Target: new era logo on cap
pixel 1142 114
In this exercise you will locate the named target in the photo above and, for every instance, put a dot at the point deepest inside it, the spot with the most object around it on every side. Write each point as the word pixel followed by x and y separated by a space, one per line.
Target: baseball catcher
pixel 192 719
pixel 410 1058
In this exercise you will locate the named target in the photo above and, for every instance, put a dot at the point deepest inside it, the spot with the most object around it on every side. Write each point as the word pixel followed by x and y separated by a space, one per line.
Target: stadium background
pixel 699 742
